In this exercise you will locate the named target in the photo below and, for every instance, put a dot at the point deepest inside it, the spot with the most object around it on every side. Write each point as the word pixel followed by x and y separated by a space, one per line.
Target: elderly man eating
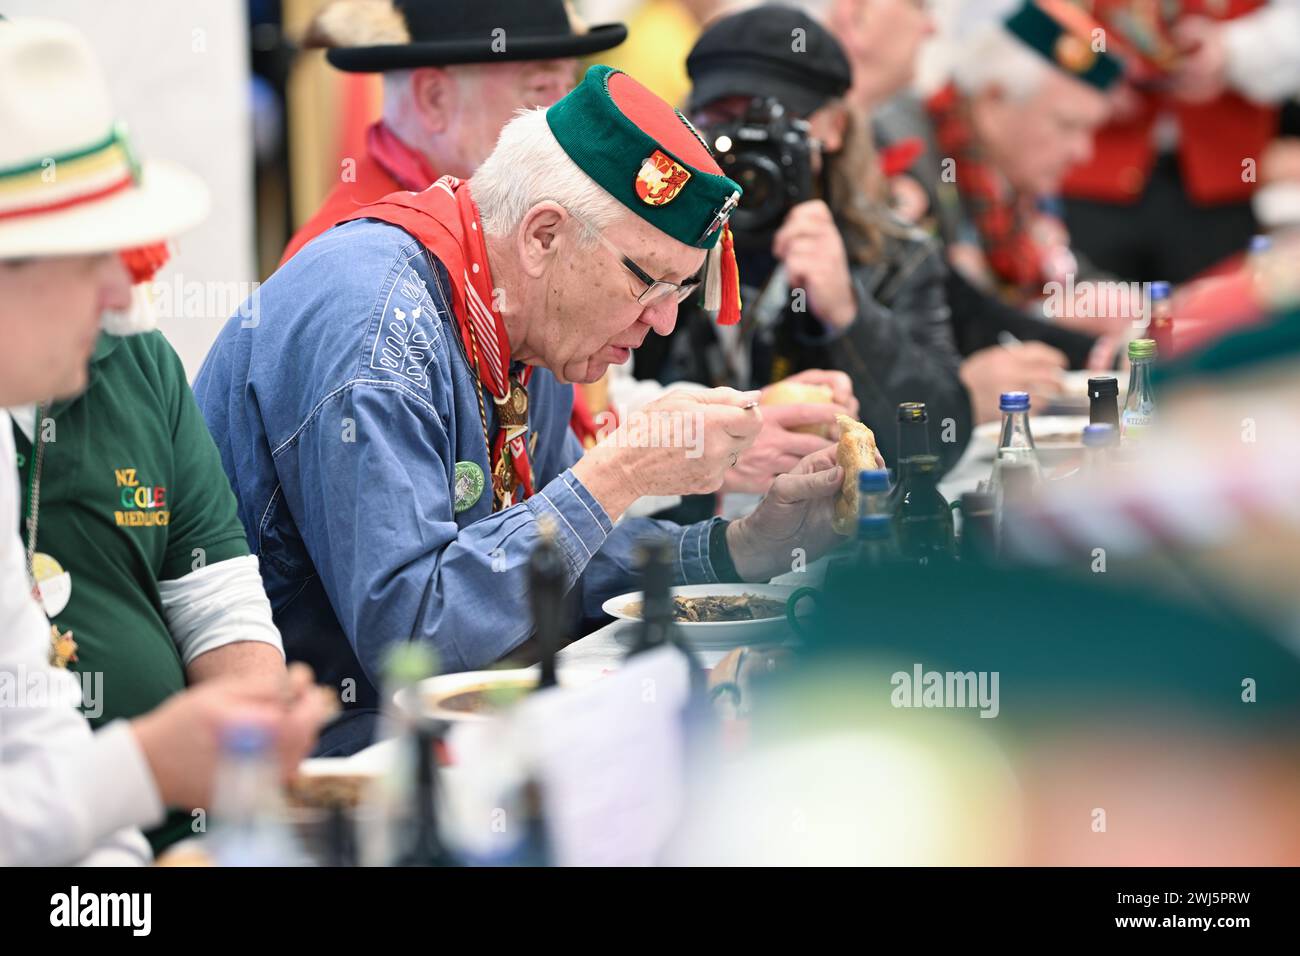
pixel 394 416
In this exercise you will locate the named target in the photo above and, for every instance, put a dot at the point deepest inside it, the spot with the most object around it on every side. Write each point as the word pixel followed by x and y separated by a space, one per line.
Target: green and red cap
pixel 649 157
pixel 1062 34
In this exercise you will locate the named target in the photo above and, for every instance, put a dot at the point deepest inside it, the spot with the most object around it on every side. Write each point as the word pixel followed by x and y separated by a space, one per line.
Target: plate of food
pixel 1055 436
pixel 475 696
pixel 718 615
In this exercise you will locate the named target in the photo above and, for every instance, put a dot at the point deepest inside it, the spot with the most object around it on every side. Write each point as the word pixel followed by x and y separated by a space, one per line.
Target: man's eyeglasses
pixel 656 289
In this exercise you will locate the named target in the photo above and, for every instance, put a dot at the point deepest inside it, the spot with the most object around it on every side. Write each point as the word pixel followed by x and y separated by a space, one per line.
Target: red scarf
pixel 407 166
pixel 1003 219
pixel 446 222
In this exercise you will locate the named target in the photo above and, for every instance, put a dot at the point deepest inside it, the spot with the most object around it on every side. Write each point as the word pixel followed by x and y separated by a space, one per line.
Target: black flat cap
pixel 772 50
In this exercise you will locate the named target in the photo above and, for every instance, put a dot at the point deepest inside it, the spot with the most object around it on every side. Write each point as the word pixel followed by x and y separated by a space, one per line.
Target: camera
pixel 769 152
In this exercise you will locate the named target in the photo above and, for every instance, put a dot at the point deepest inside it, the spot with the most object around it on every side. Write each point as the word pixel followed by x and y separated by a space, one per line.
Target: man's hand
pixel 699 436
pixel 1201 73
pixel 796 513
pixel 181 739
pixel 810 246
pixel 778 449
pixel 1030 367
pixel 839 383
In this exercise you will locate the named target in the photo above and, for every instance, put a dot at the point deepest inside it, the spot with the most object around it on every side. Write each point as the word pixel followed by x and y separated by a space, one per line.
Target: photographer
pixel 829 279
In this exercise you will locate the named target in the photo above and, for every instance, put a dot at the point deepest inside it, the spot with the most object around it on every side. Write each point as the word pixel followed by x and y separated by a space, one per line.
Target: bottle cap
pixel 1160 290
pixel 1142 349
pixel 913 412
pixel 1100 435
pixel 872 480
pixel 1103 387
pixel 409 662
pixel 245 739
pixel 1014 402
pixel 874 527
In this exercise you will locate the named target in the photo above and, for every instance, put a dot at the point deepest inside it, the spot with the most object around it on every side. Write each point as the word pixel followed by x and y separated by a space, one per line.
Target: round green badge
pixel 469 485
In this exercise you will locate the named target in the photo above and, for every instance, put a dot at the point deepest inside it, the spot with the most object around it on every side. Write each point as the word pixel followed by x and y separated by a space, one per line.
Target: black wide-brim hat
pixel 371 36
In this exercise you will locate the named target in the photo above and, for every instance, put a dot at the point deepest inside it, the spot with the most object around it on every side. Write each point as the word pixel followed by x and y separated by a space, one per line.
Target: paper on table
pixel 609 758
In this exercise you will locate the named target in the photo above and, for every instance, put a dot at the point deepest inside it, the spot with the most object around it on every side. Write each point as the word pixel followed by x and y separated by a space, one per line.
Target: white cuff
pixel 120 785
pixel 220 604
pixel 1263 51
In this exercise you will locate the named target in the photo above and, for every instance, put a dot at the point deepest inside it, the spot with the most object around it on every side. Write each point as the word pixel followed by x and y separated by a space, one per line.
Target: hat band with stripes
pixel 55 183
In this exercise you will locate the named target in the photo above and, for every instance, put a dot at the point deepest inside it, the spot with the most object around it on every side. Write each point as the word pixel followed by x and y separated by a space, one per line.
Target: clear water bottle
pixel 250 820
pixel 1098 440
pixel 1016 442
pixel 875 543
pixel 1140 406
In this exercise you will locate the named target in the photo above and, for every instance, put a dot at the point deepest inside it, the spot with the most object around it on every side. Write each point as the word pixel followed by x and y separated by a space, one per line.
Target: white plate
pixel 720 634
pixel 448 685
pixel 1054 436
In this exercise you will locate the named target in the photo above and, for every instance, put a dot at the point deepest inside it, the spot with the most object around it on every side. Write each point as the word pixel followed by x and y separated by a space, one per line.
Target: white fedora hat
pixel 69 183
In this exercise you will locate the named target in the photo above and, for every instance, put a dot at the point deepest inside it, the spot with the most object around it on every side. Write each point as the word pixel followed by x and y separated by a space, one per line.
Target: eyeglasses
pixel 656 289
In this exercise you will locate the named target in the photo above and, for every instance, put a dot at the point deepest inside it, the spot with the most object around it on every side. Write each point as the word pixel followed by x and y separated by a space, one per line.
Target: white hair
pixel 993 57
pixel 528 166
pixel 397 91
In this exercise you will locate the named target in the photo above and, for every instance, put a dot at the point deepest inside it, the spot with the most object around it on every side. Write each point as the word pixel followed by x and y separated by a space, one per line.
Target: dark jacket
pixel 900 348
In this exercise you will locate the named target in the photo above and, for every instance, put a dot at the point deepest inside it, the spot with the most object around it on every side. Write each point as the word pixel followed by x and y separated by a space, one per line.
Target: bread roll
pixel 800 393
pixel 856 451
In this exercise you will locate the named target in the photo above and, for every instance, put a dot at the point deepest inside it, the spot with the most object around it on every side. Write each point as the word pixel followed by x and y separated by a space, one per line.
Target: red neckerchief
pixel 446 222
pixel 1002 219
pixel 411 170
pixel 407 166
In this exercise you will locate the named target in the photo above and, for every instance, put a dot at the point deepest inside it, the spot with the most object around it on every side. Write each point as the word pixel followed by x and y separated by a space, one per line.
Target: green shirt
pixel 132 493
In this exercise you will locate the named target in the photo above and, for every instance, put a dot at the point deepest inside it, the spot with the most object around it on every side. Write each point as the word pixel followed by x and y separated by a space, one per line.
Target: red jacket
pixel 387 166
pixel 1213 138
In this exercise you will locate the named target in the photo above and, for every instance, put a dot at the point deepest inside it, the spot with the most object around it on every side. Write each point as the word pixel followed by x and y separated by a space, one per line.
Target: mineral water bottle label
pixel 1135 425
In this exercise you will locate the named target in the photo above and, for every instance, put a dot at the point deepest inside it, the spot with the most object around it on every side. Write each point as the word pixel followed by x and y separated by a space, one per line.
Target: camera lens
pixel 763 200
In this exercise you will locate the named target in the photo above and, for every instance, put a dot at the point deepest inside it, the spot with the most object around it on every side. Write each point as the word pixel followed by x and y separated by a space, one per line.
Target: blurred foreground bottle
pixel 873 492
pixel 548 596
pixel 423 845
pixel 251 824
pixel 1098 440
pixel 1103 401
pixel 978 542
pixel 656 628
pixel 409 829
pixel 875 541
pixel 1016 495
pixel 1139 406
pixel 1016 441
pixel 922 520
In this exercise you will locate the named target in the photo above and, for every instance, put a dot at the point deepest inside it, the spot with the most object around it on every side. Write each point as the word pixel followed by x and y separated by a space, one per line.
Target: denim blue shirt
pixel 341 401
